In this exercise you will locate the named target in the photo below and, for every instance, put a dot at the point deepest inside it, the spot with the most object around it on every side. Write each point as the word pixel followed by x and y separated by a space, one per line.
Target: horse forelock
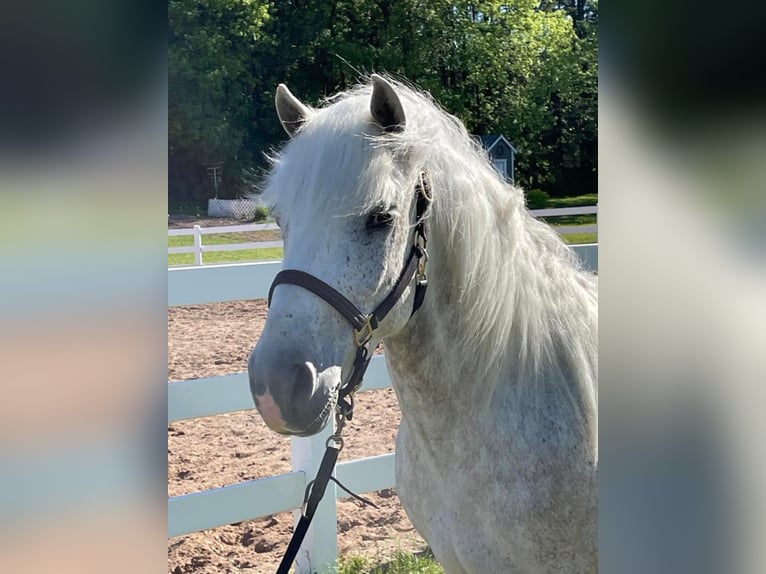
pixel 337 165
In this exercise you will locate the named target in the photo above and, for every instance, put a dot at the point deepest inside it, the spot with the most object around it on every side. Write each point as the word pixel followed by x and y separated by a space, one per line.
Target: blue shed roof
pixel 489 141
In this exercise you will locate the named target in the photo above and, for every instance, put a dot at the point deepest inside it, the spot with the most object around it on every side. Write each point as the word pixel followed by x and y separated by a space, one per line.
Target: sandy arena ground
pixel 216 339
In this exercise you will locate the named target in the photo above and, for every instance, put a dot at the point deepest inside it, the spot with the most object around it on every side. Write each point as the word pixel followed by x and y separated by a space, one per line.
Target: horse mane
pixel 528 306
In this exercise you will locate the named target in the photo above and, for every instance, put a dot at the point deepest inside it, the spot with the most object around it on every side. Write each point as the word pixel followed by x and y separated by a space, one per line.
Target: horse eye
pixel 379 220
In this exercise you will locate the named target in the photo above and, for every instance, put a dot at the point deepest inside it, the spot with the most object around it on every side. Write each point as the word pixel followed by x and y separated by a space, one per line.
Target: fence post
pixel 319 551
pixel 197 245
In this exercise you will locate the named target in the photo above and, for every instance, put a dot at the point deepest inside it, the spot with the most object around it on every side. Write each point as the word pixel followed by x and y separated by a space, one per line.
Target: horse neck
pixel 435 350
pixel 500 326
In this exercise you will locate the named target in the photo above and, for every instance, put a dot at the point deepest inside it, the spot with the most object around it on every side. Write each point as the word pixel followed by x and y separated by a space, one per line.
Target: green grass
pixel 268 254
pixel 401 563
pixel 214 239
pixel 576 201
pixel 578 238
pixel 585 200
pixel 570 220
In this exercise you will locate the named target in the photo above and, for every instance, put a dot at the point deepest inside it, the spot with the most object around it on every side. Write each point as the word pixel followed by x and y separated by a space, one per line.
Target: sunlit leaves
pixel 524 68
pixel 210 46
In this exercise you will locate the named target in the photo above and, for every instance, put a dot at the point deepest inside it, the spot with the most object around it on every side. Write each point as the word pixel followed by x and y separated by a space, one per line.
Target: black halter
pixel 364 327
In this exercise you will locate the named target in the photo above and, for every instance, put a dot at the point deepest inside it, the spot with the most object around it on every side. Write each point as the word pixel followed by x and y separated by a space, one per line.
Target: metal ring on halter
pixel 342 414
pixel 337 439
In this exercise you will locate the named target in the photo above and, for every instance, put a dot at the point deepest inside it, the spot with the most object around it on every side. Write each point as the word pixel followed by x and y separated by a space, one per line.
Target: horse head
pixel 342 193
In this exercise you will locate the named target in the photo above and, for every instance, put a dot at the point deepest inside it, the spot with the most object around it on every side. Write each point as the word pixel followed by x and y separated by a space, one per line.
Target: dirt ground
pixel 216 339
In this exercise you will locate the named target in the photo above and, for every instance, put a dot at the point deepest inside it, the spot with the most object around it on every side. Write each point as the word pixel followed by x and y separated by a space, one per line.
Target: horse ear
pixel 292 113
pixel 385 105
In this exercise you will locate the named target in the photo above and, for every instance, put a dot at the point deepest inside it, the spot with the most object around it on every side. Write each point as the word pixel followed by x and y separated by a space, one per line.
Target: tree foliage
pixel 525 68
pixel 210 81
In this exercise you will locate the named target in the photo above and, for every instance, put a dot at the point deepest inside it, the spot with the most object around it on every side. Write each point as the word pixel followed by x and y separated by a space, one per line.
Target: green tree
pixel 514 68
pixel 525 68
pixel 210 84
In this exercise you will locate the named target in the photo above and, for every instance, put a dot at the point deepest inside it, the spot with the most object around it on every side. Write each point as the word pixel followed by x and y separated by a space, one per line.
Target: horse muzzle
pixel 290 395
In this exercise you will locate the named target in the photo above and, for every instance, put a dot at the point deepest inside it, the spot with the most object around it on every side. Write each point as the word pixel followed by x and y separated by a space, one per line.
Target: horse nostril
pixel 257 380
pixel 304 381
pixel 288 379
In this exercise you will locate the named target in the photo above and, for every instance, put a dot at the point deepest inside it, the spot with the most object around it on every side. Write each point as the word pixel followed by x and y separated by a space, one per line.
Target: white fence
pixel 230 393
pixel 198 232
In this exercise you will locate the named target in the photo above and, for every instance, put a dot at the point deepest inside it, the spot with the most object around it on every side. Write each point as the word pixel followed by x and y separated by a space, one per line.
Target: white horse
pixel 496 374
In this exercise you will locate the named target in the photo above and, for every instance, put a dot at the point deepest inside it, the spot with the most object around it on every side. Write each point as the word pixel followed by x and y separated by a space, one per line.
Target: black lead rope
pixel 315 491
pixel 364 325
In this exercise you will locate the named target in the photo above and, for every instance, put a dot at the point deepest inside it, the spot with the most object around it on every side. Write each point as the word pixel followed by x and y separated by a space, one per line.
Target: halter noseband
pixel 365 324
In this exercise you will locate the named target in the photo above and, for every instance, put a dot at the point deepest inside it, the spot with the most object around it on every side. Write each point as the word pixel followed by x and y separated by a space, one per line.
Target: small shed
pixel 503 154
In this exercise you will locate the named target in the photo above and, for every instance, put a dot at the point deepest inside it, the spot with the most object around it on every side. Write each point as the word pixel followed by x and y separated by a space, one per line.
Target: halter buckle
pixel 362 336
pixel 422 255
pixel 422 266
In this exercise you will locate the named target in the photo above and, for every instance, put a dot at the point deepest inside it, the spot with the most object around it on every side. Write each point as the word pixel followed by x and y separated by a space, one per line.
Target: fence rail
pixel 198 249
pixel 212 396
pixel 225 229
